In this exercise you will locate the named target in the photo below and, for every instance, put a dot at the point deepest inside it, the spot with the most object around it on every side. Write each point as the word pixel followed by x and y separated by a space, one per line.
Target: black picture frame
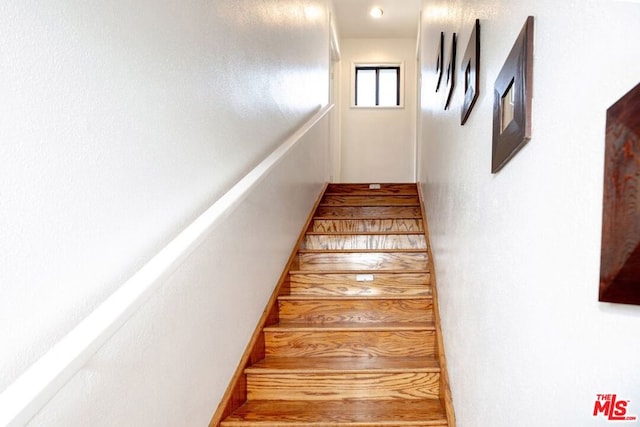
pixel 470 69
pixel 512 100
pixel 451 72
pixel 440 62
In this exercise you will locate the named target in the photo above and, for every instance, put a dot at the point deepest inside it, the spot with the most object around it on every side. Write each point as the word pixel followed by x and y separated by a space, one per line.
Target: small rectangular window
pixel 377 86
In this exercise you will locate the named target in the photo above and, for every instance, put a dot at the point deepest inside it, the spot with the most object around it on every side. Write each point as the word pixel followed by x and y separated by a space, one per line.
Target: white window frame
pixel 354 65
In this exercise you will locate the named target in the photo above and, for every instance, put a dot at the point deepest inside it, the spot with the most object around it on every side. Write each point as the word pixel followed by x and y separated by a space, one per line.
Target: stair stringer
pixel 446 398
pixel 236 393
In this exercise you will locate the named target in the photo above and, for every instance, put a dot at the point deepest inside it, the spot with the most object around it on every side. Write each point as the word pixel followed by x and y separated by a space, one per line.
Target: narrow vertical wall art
pixel 620 252
pixel 440 62
pixel 471 72
pixel 451 72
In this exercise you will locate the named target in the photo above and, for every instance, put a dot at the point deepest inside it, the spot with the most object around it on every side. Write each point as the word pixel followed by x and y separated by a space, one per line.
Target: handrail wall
pixel 33 389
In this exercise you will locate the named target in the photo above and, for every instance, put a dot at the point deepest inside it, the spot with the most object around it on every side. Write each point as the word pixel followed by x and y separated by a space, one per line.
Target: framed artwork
pixel 440 61
pixel 451 72
pixel 512 100
pixel 620 253
pixel 471 72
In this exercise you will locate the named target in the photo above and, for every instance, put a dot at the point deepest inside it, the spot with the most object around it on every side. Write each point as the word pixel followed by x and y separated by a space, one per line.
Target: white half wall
pixel 517 253
pixel 120 123
pixel 170 364
pixel 378 144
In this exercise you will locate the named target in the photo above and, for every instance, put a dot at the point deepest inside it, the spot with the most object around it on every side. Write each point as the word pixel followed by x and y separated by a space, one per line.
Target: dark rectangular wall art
pixel 620 253
pixel 512 100
pixel 471 72
pixel 440 62
pixel 451 72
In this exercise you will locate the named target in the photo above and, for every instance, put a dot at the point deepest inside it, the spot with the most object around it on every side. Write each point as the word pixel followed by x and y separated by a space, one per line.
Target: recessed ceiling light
pixel 376 12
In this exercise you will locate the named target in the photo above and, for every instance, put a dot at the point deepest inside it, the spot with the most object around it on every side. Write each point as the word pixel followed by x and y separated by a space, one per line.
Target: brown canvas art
pixel 620 256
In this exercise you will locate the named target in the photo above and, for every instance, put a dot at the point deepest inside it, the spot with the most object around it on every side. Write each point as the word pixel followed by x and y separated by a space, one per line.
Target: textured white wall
pixel 378 145
pixel 170 364
pixel 518 253
pixel 120 123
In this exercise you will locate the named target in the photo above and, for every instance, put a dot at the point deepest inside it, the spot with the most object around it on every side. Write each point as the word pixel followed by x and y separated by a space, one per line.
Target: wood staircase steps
pixel 346 339
pixel 328 260
pixel 344 364
pixel 389 283
pixel 360 413
pixel 334 378
pixel 355 309
pixel 343 241
pixel 344 385
pixel 368 200
pixel 359 225
pixel 351 337
pixel 368 212
pixel 363 189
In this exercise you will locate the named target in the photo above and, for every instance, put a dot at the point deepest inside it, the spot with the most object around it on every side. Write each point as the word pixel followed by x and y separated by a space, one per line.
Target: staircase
pixel 351 338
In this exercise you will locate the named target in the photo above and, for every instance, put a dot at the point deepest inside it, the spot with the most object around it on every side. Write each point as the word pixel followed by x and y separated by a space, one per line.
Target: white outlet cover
pixel 365 277
pixel 374 186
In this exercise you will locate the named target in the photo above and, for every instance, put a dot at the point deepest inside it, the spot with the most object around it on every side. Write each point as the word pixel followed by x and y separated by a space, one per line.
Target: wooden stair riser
pixel 282 422
pixel 359 311
pixel 362 200
pixel 382 188
pixel 312 365
pixel 337 386
pixel 351 284
pixel 366 225
pixel 367 413
pixel 354 241
pixel 349 343
pixel 364 189
pixel 373 261
pixel 376 212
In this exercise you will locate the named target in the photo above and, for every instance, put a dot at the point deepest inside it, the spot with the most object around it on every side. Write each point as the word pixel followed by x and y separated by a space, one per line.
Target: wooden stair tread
pixel 367 218
pixel 371 206
pixel 364 189
pixel 369 200
pixel 391 413
pixel 353 297
pixel 363 251
pixel 312 365
pixel 364 291
pixel 369 212
pixel 353 204
pixel 352 326
pixel 365 233
pixel 356 272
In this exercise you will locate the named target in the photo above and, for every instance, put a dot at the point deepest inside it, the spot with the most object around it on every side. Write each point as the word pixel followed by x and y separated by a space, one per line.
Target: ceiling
pixel 400 18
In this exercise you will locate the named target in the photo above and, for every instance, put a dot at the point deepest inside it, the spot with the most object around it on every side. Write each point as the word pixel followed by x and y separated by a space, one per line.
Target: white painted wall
pixel 378 144
pixel 334 98
pixel 518 253
pixel 120 123
pixel 170 364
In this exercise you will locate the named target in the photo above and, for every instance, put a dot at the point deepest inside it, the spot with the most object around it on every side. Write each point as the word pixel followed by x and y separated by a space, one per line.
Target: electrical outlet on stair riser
pixel 365 277
pixel 374 186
